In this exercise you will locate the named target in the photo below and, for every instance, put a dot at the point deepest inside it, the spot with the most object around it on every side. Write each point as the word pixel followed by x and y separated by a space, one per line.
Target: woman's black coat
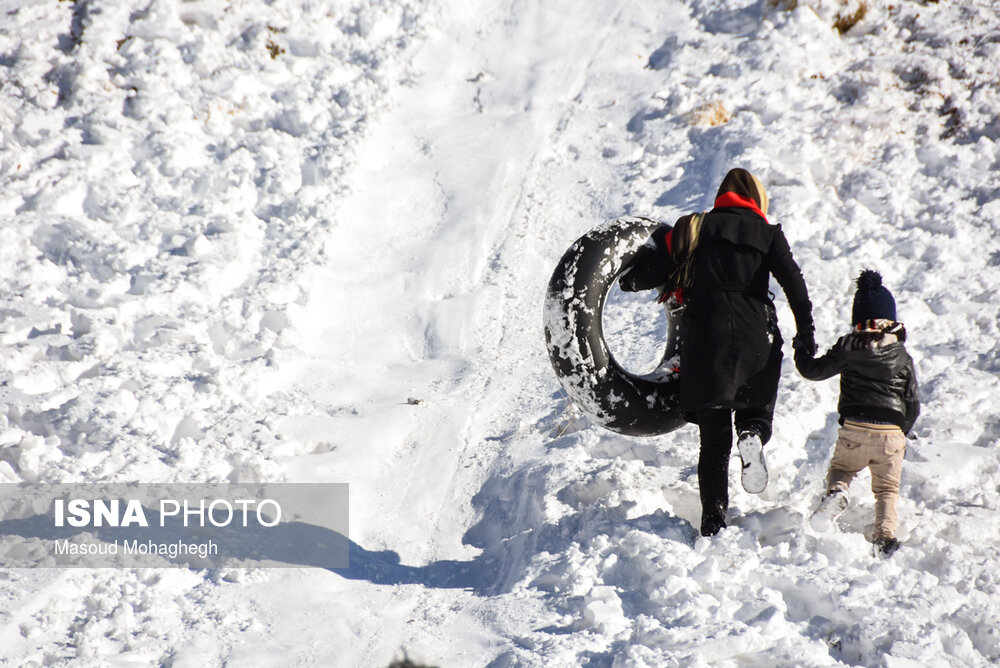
pixel 729 331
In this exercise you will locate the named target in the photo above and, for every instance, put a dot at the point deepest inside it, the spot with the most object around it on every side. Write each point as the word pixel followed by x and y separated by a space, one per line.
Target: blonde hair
pixel 764 199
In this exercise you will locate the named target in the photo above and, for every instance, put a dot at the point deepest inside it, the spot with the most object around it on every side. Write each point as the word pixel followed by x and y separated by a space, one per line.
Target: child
pixel 878 406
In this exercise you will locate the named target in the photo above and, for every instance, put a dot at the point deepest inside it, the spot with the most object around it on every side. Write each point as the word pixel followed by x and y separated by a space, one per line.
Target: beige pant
pixel 880 447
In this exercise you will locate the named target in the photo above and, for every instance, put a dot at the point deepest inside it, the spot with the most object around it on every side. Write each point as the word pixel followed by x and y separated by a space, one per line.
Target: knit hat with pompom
pixel 872 300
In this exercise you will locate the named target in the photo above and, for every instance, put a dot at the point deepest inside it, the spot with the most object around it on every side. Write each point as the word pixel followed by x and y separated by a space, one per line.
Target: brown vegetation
pixel 847 21
pixel 712 114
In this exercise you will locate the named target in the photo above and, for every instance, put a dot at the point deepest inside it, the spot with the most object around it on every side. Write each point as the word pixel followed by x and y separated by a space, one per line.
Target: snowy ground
pixel 308 241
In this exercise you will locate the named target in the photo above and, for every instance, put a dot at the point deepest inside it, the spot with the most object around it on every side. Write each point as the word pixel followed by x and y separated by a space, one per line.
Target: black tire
pixel 574 334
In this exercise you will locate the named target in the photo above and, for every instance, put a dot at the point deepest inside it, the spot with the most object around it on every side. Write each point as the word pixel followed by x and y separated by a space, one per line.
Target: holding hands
pixel 804 343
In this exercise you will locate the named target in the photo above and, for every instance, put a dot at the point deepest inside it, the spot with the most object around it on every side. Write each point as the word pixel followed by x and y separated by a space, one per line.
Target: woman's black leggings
pixel 716 428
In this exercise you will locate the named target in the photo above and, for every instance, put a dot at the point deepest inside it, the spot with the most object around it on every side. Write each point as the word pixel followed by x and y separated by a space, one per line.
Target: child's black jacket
pixel 877 379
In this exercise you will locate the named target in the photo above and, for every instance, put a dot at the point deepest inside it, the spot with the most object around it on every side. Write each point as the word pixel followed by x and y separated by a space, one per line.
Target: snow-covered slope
pixel 309 241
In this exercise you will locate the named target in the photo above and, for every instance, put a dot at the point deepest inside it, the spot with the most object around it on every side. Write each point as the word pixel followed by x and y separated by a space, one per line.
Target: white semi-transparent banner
pixel 273 525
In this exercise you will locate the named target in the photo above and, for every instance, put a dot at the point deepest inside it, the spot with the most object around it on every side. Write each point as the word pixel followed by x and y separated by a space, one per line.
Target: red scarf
pixel 732 199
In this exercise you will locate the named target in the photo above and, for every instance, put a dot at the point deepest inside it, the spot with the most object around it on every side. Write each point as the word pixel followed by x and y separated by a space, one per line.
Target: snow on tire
pixel 636 405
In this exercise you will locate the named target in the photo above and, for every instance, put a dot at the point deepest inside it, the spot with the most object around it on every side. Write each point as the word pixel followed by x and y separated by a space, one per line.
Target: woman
pixel 730 348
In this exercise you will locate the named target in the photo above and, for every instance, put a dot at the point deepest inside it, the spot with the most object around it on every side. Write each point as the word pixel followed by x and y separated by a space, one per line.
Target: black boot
pixel 713 519
pixel 884 546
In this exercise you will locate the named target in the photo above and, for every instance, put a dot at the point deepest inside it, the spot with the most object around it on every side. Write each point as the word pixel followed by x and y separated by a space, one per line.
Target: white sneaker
pixel 829 510
pixel 754 477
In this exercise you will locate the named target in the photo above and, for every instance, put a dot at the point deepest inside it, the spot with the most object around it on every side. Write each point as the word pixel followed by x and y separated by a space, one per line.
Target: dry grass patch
pixel 711 114
pixel 845 22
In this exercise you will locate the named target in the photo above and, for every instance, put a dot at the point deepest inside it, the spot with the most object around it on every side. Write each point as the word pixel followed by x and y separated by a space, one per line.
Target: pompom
pixel 869 280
